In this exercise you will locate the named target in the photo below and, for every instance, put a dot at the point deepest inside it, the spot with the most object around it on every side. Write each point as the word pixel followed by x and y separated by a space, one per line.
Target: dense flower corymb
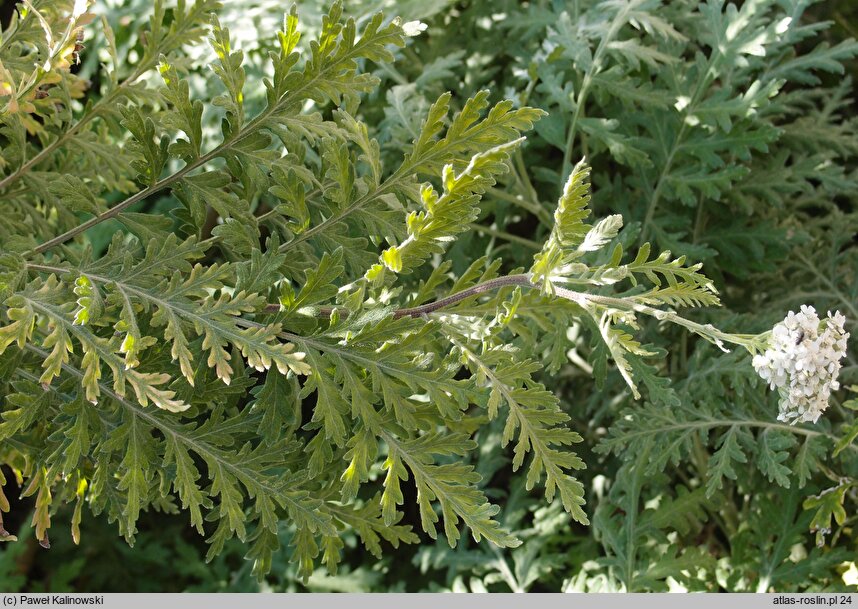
pixel 803 362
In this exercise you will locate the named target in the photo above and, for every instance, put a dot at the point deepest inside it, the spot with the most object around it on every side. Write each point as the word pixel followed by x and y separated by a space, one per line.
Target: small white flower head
pixel 803 361
pixel 413 28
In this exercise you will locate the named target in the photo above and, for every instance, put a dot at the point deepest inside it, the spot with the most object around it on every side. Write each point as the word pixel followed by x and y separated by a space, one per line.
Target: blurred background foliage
pixel 771 215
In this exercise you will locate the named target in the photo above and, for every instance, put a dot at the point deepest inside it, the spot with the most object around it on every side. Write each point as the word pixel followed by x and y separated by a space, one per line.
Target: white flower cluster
pixel 803 362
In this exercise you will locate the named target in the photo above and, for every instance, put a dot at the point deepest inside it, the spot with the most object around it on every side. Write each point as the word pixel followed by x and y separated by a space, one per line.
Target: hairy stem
pixel 429 307
pixel 583 299
pixel 707 331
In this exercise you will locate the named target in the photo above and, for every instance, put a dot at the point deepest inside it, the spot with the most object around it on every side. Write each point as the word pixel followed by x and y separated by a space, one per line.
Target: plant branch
pixel 146 64
pixel 419 311
pixel 531 206
pixel 256 124
pixel 136 198
pixel 493 232
pixel 583 299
